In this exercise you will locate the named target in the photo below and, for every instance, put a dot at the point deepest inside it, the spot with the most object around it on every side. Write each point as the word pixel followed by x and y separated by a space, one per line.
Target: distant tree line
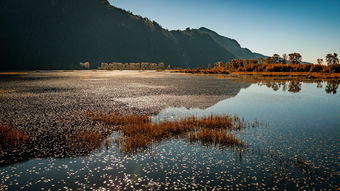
pixel 132 66
pixel 287 63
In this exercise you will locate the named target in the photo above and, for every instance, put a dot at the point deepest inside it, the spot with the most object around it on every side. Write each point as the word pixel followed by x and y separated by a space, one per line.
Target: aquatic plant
pixel 11 136
pixel 86 137
pixel 136 142
pixel 215 136
pixel 137 131
pixel 83 142
pixel 119 119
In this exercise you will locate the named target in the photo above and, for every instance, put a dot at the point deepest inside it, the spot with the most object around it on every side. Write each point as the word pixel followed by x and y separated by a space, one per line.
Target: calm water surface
pixel 297 147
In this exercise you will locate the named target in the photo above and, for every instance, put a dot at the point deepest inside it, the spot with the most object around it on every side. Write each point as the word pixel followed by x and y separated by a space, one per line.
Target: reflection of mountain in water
pixel 198 94
pixel 221 107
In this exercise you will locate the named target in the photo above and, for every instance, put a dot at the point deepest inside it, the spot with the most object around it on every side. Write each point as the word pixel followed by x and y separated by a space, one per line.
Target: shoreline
pixel 308 75
pixel 292 74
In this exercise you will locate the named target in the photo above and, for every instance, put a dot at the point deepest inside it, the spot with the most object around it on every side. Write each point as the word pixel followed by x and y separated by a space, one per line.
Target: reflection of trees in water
pixel 319 85
pixel 331 87
pixel 276 86
pixel 295 86
pixel 284 86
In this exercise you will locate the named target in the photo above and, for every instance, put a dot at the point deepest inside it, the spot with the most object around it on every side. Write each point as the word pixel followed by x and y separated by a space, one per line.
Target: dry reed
pixel 118 119
pixel 86 138
pixel 11 136
pixel 216 137
pixel 138 131
pixel 136 142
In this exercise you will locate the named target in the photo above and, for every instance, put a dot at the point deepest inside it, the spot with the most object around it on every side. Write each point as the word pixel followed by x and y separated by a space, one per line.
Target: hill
pixel 59 34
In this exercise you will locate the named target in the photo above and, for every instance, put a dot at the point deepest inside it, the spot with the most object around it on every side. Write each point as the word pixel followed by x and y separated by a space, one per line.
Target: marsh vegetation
pixel 138 131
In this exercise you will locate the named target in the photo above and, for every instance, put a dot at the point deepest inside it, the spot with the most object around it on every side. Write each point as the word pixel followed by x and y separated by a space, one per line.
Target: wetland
pixel 146 130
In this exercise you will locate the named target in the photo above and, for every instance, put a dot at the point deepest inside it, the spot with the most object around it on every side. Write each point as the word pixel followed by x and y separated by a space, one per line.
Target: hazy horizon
pixel 266 27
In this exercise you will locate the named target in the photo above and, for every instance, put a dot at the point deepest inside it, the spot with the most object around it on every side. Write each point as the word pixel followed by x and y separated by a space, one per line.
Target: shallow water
pixel 297 147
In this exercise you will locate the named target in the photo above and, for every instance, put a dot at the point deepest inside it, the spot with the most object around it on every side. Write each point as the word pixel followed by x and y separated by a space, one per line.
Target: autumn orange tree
pixel 295 58
pixel 332 59
pixel 284 58
pixel 319 61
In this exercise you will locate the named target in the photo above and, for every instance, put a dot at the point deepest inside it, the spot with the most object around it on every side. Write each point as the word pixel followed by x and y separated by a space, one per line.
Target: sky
pixel 311 28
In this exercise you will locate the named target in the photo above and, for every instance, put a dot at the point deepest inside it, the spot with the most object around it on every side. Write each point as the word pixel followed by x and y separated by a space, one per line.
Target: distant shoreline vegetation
pixel 132 66
pixel 275 65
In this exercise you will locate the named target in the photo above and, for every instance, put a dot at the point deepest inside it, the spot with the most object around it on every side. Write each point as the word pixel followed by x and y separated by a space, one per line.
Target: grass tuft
pixel 216 137
pixel 119 119
pixel 11 136
pixel 86 138
pixel 136 142
pixel 137 131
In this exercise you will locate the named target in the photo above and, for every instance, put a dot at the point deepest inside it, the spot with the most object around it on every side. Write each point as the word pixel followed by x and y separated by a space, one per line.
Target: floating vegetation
pixel 138 132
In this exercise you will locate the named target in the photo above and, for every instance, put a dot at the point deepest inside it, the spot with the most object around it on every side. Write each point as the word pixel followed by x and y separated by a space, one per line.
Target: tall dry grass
pixel 119 119
pixel 83 142
pixel 216 137
pixel 136 142
pixel 11 136
pixel 137 131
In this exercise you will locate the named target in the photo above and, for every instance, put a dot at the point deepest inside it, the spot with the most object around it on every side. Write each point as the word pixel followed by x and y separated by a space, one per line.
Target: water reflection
pixel 295 86
pixel 331 87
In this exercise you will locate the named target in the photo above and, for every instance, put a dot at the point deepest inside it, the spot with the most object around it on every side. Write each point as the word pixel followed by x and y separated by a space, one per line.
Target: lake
pixel 295 147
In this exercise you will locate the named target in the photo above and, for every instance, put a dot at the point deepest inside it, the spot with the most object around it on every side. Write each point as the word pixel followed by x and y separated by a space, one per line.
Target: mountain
pixel 231 45
pixel 59 34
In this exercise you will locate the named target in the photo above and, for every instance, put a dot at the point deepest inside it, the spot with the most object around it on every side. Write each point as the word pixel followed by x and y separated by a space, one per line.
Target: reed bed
pixel 83 142
pixel 119 119
pixel 87 137
pixel 216 137
pixel 11 136
pixel 136 142
pixel 138 132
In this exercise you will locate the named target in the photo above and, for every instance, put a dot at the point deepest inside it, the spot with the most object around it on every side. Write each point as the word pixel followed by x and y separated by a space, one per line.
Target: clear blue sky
pixel 265 26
